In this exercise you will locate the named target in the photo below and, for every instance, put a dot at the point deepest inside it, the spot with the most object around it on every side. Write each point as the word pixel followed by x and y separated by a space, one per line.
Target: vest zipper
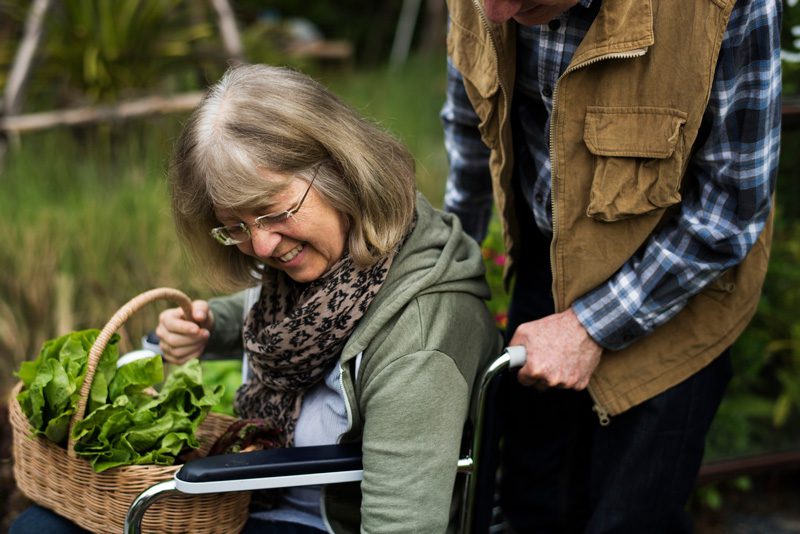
pixel 554 161
pixel 602 414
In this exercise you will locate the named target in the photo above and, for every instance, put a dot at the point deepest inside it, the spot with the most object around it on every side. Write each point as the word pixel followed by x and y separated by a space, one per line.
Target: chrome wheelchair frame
pixel 332 464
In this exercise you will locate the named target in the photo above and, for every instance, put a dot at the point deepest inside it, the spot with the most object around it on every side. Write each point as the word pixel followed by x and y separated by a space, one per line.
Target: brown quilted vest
pixel 625 117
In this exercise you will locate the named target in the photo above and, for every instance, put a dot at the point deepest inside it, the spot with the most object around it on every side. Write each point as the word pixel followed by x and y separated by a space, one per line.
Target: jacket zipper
pixel 349 412
pixel 602 413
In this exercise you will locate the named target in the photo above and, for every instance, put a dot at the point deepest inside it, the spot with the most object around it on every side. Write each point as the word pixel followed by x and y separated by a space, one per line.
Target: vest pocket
pixel 638 160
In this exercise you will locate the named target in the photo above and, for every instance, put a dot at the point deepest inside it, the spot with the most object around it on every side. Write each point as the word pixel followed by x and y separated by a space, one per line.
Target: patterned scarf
pixel 295 332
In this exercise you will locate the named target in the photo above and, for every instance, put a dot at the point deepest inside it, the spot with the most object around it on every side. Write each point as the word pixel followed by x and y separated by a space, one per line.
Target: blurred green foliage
pixel 93 225
pixel 790 43
pixel 369 26
pixel 102 51
pixel 96 51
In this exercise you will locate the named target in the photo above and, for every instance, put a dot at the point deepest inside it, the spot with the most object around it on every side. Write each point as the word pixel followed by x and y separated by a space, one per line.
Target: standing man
pixel 631 147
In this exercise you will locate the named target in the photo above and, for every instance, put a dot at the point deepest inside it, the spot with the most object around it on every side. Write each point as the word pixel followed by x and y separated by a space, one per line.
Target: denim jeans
pixel 563 472
pixel 39 520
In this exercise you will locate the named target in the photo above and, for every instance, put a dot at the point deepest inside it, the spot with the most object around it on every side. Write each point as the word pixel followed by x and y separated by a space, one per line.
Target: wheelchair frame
pixel 332 464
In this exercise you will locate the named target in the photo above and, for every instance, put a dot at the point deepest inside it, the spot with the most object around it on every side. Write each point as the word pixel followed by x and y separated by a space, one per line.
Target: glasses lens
pixel 231 235
pixel 267 221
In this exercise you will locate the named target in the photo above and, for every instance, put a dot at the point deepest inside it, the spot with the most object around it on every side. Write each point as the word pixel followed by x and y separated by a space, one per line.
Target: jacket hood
pixel 437 257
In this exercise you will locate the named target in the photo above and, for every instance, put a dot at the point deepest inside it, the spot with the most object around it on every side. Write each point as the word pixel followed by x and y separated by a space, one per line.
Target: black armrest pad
pixel 273 462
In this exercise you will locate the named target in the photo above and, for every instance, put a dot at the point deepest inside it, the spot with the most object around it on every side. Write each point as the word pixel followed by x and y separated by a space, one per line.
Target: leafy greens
pixel 125 424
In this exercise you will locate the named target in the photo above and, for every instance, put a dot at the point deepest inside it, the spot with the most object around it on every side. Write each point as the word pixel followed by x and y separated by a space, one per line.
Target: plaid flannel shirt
pixel 733 169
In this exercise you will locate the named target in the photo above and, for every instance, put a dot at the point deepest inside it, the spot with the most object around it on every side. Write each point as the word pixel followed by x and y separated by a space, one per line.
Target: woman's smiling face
pixel 306 245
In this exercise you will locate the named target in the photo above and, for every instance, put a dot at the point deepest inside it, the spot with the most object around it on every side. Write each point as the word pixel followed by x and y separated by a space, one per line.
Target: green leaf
pixel 143 438
pixel 743 483
pixel 57 428
pixel 136 376
pixel 54 379
pixel 137 429
pixel 783 407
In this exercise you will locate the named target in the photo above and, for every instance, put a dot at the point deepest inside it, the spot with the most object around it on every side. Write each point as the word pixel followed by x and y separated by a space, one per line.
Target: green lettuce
pixel 125 423
pixel 52 382
pixel 137 428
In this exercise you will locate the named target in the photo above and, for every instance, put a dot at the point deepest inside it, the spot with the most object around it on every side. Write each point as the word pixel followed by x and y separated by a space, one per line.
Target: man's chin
pixel 537 15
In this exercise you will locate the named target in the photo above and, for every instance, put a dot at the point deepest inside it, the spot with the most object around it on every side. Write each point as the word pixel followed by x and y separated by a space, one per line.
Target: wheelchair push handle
pixel 516 356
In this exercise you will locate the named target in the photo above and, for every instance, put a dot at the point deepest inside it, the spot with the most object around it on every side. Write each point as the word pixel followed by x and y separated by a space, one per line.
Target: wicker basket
pixel 57 479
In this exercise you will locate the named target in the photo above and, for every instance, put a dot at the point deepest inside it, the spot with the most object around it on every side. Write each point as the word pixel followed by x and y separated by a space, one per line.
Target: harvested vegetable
pixel 124 423
pixel 52 382
pixel 248 435
pixel 135 428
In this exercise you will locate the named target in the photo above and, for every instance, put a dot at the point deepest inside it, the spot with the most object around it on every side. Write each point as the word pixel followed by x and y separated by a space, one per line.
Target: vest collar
pixel 621 28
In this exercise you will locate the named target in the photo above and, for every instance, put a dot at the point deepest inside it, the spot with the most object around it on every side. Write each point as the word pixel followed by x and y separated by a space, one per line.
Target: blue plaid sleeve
pixel 468 193
pixel 732 177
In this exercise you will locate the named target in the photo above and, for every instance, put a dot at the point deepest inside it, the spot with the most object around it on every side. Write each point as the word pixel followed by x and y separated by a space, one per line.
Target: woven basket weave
pixel 57 479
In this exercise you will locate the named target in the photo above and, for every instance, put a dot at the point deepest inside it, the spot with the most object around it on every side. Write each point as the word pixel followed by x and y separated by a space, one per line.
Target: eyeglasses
pixel 239 233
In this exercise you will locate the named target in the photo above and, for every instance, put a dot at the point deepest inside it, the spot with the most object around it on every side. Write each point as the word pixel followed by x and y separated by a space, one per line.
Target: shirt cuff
pixel 606 320
pixel 226 332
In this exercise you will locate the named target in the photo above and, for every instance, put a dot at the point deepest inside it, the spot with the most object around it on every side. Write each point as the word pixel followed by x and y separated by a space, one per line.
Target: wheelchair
pixel 333 464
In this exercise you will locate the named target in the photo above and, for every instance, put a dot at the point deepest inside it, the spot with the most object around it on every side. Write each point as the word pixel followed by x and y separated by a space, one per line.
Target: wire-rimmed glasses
pixel 240 232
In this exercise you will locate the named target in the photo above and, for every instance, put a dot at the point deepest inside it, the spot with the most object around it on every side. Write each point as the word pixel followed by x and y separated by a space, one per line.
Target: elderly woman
pixel 368 320
pixel 365 319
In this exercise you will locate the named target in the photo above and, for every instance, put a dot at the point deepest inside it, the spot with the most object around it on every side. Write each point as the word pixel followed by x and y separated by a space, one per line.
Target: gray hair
pixel 259 117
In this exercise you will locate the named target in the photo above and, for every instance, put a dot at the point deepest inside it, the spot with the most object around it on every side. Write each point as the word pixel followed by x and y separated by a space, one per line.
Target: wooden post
pixel 23 59
pixel 21 67
pixel 122 110
pixel 405 32
pixel 230 33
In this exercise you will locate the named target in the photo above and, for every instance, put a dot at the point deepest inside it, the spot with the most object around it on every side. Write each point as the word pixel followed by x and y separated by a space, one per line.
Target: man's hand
pixel 560 353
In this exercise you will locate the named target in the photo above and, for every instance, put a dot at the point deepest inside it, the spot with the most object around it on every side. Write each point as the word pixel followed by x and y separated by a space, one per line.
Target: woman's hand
pixel 182 338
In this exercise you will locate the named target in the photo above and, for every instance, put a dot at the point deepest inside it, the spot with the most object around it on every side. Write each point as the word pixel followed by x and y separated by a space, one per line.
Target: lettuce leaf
pixel 52 381
pixel 125 423
pixel 136 428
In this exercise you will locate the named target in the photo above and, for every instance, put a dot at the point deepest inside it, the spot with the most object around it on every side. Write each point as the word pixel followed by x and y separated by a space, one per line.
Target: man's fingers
pixel 542 380
pixel 534 378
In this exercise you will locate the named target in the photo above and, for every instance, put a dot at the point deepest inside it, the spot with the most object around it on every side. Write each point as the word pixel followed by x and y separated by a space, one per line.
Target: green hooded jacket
pixel 419 348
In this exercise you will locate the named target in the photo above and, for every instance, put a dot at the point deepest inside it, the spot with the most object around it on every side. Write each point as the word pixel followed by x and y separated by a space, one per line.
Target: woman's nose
pixel 263 241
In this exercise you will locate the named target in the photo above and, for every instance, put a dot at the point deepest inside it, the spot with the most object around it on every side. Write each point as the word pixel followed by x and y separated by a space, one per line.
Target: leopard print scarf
pixel 295 333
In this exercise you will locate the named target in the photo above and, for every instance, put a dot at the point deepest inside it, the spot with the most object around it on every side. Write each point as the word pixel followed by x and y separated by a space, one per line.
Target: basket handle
pixel 113 324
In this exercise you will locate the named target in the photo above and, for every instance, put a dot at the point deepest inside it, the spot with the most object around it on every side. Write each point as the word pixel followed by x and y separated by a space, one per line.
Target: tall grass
pixel 86 227
pixel 85 219
pixel 405 100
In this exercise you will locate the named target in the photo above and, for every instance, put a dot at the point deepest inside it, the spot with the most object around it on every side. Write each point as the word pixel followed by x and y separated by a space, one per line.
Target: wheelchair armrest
pixel 272 468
